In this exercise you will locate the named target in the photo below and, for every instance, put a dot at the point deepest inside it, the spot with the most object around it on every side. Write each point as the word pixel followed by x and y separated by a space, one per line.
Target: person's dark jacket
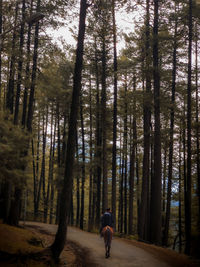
pixel 107 219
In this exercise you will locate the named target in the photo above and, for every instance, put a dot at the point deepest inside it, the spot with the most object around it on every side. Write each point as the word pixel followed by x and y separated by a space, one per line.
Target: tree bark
pixel 121 194
pixel 197 124
pixel 120 183
pixel 60 238
pixel 90 225
pixel 180 193
pixel 147 120
pixel 155 219
pixel 132 166
pixel 164 184
pixel 10 89
pixel 34 176
pixel 104 129
pixel 27 71
pixel 20 64
pixel 171 139
pixel 184 156
pixel 188 182
pixel 50 174
pixel 43 167
pixel 82 165
pixel 125 147
pixel 72 210
pixel 15 208
pixel 38 183
pixel 52 171
pixel 114 147
pixel 77 186
pixel 33 77
pixel 59 160
pixel 98 144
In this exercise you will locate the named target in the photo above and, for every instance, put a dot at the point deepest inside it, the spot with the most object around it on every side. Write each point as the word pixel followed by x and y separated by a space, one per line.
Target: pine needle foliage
pixel 13 156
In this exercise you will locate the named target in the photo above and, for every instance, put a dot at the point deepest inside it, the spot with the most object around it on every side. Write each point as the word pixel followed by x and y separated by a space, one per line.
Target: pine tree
pixel 60 238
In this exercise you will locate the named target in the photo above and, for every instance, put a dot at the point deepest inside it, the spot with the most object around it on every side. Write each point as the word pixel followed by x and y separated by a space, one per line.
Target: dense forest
pixel 94 126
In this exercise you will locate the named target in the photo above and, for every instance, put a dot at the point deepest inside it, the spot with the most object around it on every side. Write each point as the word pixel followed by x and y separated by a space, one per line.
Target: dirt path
pixel 123 252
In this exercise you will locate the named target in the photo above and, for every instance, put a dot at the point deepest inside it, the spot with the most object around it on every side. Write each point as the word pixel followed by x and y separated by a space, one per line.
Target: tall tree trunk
pixel 35 182
pixel 38 183
pixel 94 197
pixel 82 165
pixel 34 72
pixel 132 166
pixel 27 71
pixel 155 220
pixel 94 189
pixel 114 147
pixel 180 193
pixel 98 143
pixel 60 237
pixel 121 195
pixel 197 124
pixel 15 208
pixel 64 145
pixel 188 183
pixel 119 187
pixel 10 89
pixel 59 164
pixel 147 120
pixel 184 156
pixel 104 129
pixel 91 169
pixel 52 171
pixel 138 186
pixel 164 184
pixel 125 147
pixel 71 210
pixel 77 185
pixel 171 139
pixel 58 143
pixel 43 167
pixel 20 63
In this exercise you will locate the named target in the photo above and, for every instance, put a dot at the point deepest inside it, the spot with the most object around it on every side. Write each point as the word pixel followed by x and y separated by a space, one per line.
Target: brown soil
pixel 167 255
pixel 73 255
pixel 29 247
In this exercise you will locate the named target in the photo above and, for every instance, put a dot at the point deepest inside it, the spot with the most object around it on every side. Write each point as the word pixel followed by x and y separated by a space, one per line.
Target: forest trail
pixel 123 252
